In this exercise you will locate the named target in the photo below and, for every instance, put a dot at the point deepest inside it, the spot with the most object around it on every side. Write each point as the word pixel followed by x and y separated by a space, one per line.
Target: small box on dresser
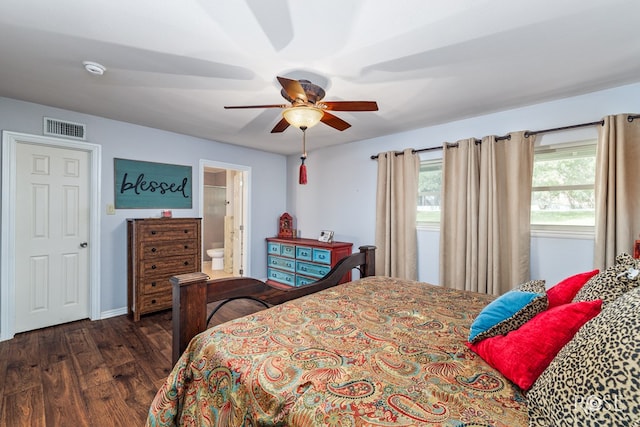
pixel 157 249
pixel 298 262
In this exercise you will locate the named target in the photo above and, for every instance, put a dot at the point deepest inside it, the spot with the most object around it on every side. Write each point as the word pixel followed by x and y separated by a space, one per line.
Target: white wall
pixel 340 195
pixel 124 140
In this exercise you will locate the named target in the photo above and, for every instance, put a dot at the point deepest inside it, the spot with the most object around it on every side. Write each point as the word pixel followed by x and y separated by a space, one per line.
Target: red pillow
pixel 523 354
pixel 564 291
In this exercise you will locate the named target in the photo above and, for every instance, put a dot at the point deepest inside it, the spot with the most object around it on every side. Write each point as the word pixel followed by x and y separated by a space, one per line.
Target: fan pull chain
pixel 302 179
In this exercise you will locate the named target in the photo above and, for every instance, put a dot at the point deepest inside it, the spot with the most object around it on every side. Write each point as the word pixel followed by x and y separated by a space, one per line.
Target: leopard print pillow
pixel 595 379
pixel 537 286
pixel 611 283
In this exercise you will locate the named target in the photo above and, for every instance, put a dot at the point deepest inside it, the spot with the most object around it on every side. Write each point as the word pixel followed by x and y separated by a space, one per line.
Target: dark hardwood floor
pixel 84 373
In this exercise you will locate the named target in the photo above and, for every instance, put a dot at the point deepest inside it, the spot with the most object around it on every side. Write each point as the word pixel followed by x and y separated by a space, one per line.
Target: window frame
pixel 559 230
pixel 537 230
pixel 430 225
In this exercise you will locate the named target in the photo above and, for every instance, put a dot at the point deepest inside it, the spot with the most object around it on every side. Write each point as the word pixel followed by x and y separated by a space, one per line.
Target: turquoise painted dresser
pixel 298 262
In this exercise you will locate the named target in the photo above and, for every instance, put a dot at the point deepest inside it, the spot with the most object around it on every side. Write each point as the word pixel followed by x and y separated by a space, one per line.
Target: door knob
pixel 83 244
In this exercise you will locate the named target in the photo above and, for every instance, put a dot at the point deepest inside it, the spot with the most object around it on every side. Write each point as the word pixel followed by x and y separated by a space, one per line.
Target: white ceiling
pixel 174 64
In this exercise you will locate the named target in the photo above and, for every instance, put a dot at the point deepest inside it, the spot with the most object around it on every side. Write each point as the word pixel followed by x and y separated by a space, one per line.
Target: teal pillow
pixel 509 311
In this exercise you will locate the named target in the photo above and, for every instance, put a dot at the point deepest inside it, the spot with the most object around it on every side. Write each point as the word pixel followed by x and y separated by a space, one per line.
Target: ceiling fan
pixel 307 108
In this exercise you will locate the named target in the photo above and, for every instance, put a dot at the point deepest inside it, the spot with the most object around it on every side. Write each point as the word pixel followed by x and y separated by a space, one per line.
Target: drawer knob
pixel 186 246
pixel 153 232
pixel 153 284
pixel 153 249
pixel 153 301
pixel 186 231
pixel 153 267
pixel 186 263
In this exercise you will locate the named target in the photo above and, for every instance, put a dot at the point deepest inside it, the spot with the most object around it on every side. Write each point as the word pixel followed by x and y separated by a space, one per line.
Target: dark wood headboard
pixel 192 292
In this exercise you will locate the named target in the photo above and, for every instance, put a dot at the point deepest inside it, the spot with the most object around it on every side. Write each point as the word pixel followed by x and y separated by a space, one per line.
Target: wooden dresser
pixel 297 262
pixel 157 249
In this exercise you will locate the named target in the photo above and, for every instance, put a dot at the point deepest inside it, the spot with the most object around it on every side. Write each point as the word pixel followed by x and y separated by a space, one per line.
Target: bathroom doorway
pixel 224 215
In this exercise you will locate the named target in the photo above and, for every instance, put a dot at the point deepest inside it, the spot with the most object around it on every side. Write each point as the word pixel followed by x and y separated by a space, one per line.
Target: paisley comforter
pixel 373 352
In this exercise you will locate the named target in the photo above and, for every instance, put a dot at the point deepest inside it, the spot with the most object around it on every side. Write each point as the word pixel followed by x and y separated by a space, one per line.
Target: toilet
pixel 217 258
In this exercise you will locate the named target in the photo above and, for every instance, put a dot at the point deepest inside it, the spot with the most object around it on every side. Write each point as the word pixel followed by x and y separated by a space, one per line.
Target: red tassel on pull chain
pixel 303 172
pixel 303 168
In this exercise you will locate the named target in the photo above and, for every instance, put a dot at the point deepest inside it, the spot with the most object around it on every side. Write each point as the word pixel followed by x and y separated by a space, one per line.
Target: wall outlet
pixel 111 210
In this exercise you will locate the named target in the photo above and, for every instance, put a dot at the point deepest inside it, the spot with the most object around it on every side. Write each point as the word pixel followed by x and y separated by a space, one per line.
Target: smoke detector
pixel 94 68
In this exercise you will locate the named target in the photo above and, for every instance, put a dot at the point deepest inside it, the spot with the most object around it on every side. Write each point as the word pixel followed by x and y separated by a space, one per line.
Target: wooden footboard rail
pixel 192 292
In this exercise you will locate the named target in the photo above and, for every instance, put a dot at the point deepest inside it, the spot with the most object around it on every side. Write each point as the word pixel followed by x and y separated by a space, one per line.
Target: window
pixel 563 195
pixel 429 185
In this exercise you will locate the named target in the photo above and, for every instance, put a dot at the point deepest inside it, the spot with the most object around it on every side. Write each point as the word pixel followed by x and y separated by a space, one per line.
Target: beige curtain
pixel 617 188
pixel 485 229
pixel 459 215
pixel 396 206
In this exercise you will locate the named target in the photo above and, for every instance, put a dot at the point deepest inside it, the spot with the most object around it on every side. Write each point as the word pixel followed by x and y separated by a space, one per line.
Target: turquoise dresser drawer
pixel 282 263
pixel 281 277
pixel 321 255
pixel 288 250
pixel 312 269
pixel 304 253
pixel 301 280
pixel 299 262
pixel 273 248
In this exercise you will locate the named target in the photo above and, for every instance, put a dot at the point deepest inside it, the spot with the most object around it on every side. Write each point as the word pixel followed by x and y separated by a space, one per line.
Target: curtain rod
pixel 630 118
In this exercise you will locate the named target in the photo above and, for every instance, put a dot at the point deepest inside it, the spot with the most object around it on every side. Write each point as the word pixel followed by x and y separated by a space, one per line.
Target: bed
pixel 376 351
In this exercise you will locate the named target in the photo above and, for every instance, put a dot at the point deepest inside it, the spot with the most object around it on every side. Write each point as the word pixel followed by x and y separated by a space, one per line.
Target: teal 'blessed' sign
pixel 151 185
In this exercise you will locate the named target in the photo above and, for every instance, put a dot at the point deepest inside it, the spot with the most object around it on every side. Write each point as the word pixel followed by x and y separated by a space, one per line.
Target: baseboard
pixel 113 313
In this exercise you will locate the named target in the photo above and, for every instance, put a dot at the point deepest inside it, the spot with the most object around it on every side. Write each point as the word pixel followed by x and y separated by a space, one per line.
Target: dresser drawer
pixel 150 285
pixel 154 302
pixel 304 253
pixel 273 248
pixel 287 250
pixel 159 249
pixel 170 230
pixel 302 280
pixel 281 277
pixel 281 263
pixel 172 266
pixel 321 255
pixel 313 270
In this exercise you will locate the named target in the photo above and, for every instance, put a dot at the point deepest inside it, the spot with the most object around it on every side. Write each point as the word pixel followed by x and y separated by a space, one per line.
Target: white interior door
pixel 52 233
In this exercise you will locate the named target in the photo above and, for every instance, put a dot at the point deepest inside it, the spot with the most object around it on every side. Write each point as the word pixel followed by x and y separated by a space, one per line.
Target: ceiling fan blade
pixel 281 126
pixel 334 122
pixel 351 105
pixel 231 107
pixel 293 88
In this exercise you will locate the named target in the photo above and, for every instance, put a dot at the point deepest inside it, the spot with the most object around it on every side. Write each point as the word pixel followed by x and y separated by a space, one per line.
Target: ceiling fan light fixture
pixel 303 116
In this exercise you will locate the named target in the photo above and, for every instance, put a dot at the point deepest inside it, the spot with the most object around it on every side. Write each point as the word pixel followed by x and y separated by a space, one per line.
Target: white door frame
pixel 247 208
pixel 8 226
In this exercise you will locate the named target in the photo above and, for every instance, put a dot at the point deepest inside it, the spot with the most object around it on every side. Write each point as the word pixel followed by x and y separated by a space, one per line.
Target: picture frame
pixel 149 185
pixel 326 236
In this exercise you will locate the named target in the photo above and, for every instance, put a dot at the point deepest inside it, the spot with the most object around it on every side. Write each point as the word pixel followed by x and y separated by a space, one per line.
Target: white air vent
pixel 55 127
